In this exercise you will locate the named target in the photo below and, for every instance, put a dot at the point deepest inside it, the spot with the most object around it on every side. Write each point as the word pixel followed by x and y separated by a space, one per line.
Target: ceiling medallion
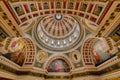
pixel 41 56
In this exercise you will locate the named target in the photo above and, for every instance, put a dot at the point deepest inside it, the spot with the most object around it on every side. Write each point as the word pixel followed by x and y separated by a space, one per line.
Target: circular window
pixel 58 16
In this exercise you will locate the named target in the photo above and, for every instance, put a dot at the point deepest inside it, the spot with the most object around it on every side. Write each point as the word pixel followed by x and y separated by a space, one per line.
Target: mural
pixel 33 7
pixel 58 4
pixel 16 52
pixel 58 65
pixel 19 10
pixel 70 5
pixel 83 7
pixel 97 10
pixel 41 56
pixel 100 53
pixel 46 5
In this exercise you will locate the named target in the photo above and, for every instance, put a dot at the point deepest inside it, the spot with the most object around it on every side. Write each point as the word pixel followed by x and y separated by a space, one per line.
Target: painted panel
pixel 58 65
pixel 83 6
pixel 100 53
pixel 33 7
pixel 46 5
pixel 19 10
pixel 58 4
pixel 97 10
pixel 70 5
pixel 16 52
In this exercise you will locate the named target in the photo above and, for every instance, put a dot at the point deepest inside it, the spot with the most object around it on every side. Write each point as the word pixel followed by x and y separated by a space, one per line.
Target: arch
pixel 30 51
pixel 86 52
pixel 19 50
pixel 95 51
pixel 58 57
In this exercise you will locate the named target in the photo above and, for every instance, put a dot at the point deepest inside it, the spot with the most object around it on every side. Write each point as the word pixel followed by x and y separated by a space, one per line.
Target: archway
pixel 95 51
pixel 58 64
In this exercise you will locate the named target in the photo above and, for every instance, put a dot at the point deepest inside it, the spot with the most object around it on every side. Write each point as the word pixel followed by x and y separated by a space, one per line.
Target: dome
pixel 58 25
pixel 58 32
pixel 60 40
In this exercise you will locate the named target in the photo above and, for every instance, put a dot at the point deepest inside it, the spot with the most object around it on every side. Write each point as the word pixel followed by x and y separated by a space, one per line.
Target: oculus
pixel 58 16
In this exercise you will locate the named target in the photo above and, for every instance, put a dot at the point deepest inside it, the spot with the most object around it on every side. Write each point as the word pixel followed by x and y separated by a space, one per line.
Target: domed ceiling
pixel 58 33
pixel 40 37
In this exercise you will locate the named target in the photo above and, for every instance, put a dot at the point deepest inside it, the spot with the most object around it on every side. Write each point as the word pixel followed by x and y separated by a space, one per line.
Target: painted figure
pixel 58 66
pixel 19 10
pixel 33 7
pixel 16 52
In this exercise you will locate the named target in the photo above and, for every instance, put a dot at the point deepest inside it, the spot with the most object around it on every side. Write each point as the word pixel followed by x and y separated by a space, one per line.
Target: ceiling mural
pixel 24 10
pixel 41 56
pixel 42 38
pixel 19 10
pixel 58 33
pixel 58 65
pixel 100 51
pixel 16 51
pixel 97 10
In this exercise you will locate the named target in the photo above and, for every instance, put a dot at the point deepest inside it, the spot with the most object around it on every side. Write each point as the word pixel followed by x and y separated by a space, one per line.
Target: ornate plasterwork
pixel 55 57
pixel 41 56
pixel 58 35
pixel 75 56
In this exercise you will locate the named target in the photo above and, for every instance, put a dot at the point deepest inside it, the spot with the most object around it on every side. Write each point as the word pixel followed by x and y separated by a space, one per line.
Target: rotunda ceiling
pixel 58 25
pixel 58 33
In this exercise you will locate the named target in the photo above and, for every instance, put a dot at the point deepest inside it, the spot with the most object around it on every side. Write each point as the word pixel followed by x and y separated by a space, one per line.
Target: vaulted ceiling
pixel 59 36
